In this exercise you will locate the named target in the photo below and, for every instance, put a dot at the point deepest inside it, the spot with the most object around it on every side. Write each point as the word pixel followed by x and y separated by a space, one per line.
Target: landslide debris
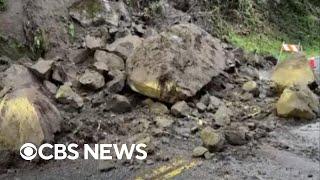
pixel 207 96
pixel 295 71
pixel 27 116
pixel 167 65
pixel 299 102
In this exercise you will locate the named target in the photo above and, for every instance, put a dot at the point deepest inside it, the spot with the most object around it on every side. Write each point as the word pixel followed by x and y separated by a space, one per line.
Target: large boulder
pixel 64 72
pixel 78 55
pixel 66 95
pixel 125 46
pixel 18 76
pixel 92 80
pixel 236 134
pixel 292 72
pixel 93 42
pixel 175 64
pixel 112 61
pixel 158 108
pixel 252 87
pixel 181 109
pixel 27 116
pixel 298 102
pixel 118 104
pixel 42 68
pixel 212 139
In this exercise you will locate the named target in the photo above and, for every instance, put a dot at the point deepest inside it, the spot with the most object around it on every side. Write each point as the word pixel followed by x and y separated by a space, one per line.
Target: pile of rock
pixel 297 100
pixel 173 67
pixel 167 66
pixel 26 115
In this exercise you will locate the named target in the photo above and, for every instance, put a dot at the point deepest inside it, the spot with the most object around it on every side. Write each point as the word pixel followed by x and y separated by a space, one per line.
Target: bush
pixel 3 5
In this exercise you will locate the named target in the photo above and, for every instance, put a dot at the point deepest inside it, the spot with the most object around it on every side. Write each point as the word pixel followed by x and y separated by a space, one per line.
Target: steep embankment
pixel 263 25
pixel 258 26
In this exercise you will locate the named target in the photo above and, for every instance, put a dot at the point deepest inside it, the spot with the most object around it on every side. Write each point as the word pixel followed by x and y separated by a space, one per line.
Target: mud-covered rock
pixel 112 61
pixel 149 32
pixel 199 151
pixel 65 72
pixel 57 76
pixel 246 96
pixel 93 42
pixel 163 121
pixel 105 166
pixel 52 88
pixel 78 55
pixel 27 116
pixel 236 135
pixel 92 79
pixel 158 108
pixel 201 107
pixel 211 139
pixel 101 67
pixel 139 29
pixel 66 95
pixel 167 65
pixel 208 155
pixel 119 104
pixel 147 140
pixel 214 103
pixel 293 72
pixel 42 68
pixel 18 76
pixel 181 109
pixel 222 116
pixel 117 83
pixel 147 102
pixel 121 33
pixel 251 87
pixel 299 102
pixel 205 99
pixel 125 46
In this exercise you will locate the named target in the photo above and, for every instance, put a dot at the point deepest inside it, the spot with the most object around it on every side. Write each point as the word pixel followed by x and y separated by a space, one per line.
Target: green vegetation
pixel 268 44
pixel 259 26
pixel 3 5
pixel 154 9
pixel 141 4
pixel 258 43
pixel 262 26
pixel 71 31
pixel 40 43
pixel 12 48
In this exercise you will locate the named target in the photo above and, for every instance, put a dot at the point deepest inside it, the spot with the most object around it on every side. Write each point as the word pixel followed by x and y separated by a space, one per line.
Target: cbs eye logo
pixel 28 151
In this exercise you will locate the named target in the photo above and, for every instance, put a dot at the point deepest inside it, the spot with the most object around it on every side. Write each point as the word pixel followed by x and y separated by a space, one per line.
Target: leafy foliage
pixel 262 26
pixel 3 5
pixel 40 43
